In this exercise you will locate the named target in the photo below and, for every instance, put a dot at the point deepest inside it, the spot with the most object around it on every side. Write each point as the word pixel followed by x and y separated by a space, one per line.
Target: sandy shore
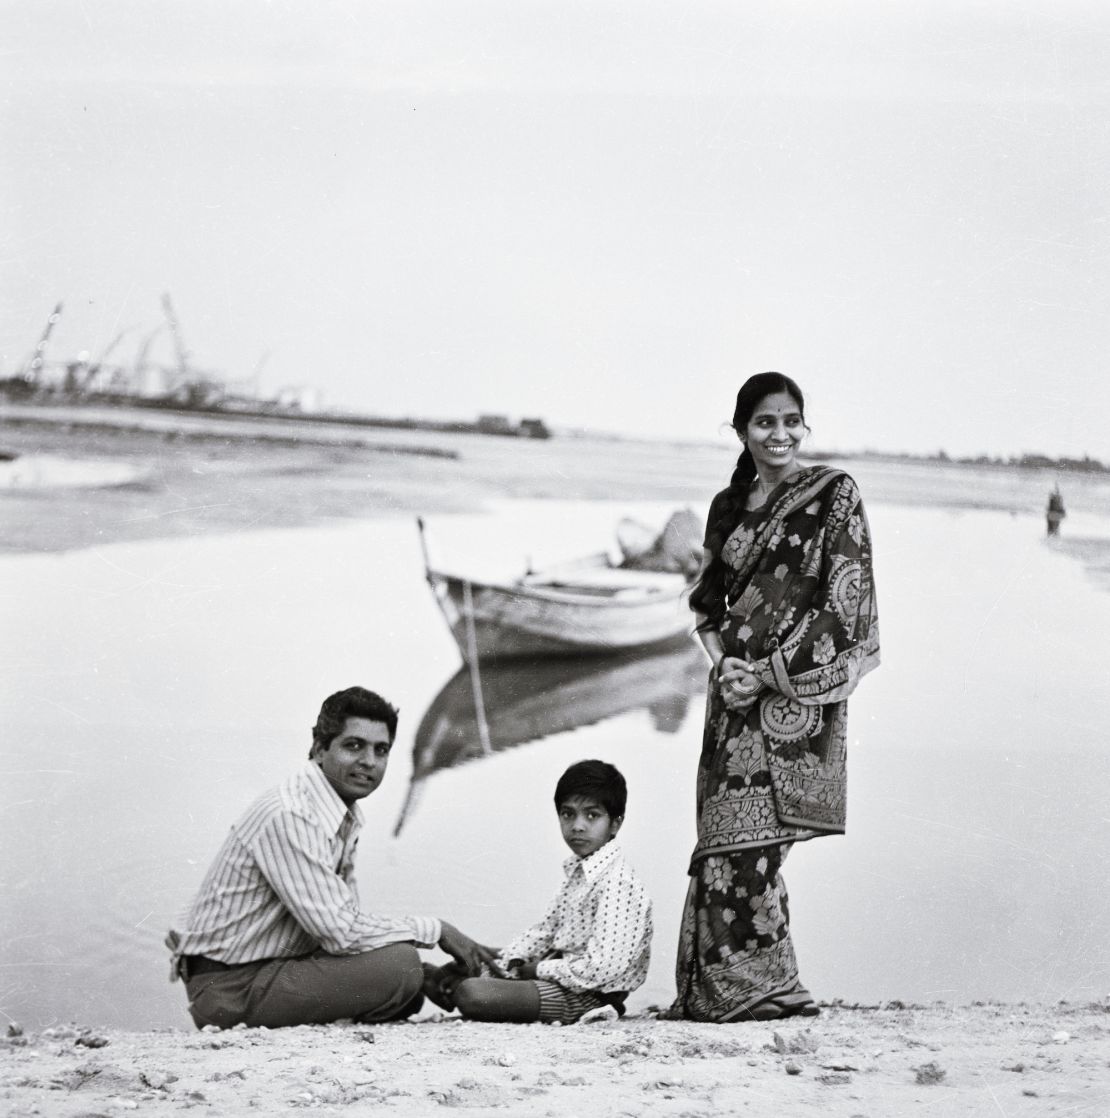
pixel 850 1061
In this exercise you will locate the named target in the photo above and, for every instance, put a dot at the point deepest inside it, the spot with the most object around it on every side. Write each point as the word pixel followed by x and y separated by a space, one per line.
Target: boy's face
pixel 586 825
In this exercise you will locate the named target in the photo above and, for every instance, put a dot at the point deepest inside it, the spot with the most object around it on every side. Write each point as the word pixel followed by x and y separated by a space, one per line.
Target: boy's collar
pixel 596 862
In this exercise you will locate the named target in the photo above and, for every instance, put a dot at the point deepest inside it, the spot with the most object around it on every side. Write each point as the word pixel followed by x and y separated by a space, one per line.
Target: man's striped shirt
pixel 283 884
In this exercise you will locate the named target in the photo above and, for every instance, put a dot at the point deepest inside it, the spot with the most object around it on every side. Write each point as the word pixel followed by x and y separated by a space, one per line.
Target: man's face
pixel 357 758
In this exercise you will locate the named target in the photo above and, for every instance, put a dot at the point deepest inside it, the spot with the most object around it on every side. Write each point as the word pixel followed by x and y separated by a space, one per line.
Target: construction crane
pixel 178 340
pixel 33 368
pixel 139 367
pixel 83 374
pixel 109 349
pixel 189 387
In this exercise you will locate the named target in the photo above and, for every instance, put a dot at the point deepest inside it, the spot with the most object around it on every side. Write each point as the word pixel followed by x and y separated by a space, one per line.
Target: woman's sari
pixel 800 606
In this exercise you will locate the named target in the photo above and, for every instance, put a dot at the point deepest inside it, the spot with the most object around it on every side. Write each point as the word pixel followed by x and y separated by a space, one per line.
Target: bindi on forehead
pixel 772 406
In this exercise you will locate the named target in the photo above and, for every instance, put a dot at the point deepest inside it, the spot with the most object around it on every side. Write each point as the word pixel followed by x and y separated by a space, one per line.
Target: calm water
pixel 151 690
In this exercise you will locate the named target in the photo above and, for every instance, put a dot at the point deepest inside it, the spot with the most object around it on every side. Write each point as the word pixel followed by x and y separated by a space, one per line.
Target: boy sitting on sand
pixel 592 947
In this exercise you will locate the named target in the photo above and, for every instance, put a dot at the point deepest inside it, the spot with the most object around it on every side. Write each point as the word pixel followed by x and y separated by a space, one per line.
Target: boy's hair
pixel 353 702
pixel 597 779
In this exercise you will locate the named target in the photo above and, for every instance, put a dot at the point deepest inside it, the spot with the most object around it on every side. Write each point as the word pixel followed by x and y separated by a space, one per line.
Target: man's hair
pixel 354 702
pixel 597 779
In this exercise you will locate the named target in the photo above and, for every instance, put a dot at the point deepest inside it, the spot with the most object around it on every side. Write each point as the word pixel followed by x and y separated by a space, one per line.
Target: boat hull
pixel 502 622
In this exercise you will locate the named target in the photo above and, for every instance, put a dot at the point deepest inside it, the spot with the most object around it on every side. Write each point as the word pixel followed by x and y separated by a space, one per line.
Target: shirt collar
pixel 597 863
pixel 332 809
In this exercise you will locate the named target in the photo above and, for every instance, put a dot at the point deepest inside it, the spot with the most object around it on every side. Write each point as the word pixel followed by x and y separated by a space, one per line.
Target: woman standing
pixel 786 610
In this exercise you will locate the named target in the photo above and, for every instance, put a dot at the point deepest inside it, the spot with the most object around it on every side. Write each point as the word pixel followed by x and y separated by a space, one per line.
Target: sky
pixel 605 214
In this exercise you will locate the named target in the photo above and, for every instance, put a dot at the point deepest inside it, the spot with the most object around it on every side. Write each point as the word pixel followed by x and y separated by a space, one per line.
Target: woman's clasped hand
pixel 738 683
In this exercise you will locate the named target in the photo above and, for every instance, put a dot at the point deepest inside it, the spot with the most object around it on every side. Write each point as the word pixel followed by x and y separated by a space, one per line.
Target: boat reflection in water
pixel 510 702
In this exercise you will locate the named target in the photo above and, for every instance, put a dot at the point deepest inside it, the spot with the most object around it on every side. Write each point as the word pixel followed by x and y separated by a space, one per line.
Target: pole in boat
pixel 472 664
pixel 433 580
pixel 471 639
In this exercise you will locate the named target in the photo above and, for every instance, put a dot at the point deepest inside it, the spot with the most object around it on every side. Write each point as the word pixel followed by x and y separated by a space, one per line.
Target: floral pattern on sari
pixel 801 607
pixel 734 944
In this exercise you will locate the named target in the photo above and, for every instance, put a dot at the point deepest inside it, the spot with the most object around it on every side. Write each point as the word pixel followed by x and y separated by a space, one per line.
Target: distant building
pixel 501 425
pixel 198 392
pixel 495 425
pixel 534 429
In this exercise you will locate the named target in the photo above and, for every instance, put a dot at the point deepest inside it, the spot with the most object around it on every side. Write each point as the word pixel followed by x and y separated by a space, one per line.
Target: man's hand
pixel 468 952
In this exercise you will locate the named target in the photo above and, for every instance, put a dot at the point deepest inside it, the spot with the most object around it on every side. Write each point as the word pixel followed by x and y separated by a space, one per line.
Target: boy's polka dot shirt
pixel 599 923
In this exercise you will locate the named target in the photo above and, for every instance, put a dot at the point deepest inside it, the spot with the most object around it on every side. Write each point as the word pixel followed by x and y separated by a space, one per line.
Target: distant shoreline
pixel 220 426
pixel 531 428
pixel 68 412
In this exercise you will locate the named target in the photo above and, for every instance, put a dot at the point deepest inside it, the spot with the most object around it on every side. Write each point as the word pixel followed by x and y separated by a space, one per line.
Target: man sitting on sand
pixel 276 936
pixel 593 946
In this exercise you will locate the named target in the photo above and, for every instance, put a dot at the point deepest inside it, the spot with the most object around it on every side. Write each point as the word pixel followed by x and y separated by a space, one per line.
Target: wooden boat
pixel 514 702
pixel 590 606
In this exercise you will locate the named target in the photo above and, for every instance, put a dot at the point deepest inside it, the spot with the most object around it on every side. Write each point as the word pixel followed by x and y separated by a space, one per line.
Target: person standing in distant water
pixel 1054 512
pixel 785 604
